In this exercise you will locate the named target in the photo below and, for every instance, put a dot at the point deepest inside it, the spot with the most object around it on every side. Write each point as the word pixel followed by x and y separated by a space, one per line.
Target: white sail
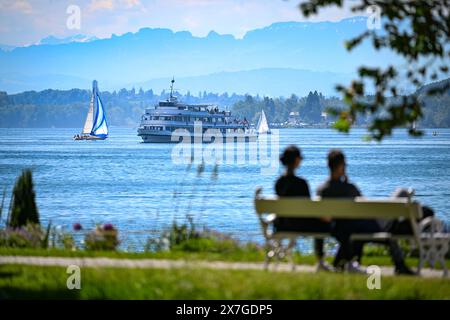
pixel 90 118
pixel 100 127
pixel 262 126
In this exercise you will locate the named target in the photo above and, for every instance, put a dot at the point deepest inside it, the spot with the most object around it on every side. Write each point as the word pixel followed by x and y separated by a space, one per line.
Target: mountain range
pixel 280 59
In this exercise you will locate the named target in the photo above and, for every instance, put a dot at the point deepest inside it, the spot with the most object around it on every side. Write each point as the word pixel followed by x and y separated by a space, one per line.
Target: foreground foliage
pixel 417 31
pixel 115 283
pixel 24 210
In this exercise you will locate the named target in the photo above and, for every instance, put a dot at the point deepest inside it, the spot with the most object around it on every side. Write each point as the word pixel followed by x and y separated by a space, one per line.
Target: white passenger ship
pixel 159 123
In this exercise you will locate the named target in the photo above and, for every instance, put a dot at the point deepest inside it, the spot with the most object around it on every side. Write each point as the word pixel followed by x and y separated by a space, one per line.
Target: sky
pixel 25 22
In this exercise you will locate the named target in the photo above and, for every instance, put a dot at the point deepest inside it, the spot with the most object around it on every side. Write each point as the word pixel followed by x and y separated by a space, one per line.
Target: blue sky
pixel 24 22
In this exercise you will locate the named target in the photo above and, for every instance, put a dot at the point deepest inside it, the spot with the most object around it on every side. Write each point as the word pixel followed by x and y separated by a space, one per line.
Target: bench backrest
pixel 339 208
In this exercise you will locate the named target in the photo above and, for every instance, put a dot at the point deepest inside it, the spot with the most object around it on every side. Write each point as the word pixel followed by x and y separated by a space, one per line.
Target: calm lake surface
pixel 138 188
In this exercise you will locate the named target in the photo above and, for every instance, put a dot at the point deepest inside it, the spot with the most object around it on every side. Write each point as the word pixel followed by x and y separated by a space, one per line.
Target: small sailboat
pixel 263 126
pixel 95 126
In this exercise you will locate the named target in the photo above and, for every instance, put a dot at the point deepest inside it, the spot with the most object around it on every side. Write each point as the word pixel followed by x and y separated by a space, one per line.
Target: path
pixel 167 264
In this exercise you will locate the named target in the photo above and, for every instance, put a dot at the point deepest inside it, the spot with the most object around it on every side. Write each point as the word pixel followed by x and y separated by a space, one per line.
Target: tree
pixel 312 110
pixel 149 94
pixel 24 210
pixel 419 31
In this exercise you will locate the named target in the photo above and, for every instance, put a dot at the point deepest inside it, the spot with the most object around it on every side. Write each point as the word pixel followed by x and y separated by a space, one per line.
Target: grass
pixel 31 282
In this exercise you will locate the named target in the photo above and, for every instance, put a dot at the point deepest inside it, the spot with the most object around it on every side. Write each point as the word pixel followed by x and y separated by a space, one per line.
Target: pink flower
pixel 108 227
pixel 77 226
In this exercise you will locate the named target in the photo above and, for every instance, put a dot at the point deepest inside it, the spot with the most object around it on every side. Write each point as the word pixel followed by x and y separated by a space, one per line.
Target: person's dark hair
pixel 335 159
pixel 289 155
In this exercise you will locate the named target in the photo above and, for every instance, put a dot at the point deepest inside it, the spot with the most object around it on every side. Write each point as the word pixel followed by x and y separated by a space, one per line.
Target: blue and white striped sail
pixel 100 125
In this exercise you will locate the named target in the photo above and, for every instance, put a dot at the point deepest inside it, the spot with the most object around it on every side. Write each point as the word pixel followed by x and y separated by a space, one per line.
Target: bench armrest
pixel 431 225
pixel 270 218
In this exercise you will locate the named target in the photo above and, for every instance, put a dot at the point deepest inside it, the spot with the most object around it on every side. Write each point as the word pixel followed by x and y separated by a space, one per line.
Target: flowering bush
pixel 103 237
pixel 77 226
pixel 29 236
pixel 187 237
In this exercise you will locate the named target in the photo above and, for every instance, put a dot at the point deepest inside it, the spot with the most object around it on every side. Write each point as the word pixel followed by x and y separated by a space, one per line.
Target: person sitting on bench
pixel 338 186
pixel 289 185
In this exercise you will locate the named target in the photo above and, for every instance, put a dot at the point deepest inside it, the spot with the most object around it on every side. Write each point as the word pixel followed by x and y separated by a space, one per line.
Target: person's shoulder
pixel 324 186
pixel 301 180
pixel 281 179
pixel 354 189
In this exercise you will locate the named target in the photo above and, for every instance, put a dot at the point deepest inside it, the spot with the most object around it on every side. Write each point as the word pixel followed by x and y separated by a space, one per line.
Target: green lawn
pixel 114 283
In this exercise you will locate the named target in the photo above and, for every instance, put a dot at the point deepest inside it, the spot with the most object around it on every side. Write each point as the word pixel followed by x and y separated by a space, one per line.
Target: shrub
pixel 29 236
pixel 24 210
pixel 103 237
pixel 186 237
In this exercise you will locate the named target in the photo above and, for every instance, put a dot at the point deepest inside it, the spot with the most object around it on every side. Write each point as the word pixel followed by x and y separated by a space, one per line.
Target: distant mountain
pixel 161 53
pixel 18 82
pixel 268 81
pixel 6 47
pixel 436 110
pixel 51 40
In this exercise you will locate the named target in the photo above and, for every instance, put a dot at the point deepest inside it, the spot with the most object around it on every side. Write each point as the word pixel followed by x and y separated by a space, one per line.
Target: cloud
pixel 21 6
pixel 28 21
pixel 131 3
pixel 96 5
pixel 101 5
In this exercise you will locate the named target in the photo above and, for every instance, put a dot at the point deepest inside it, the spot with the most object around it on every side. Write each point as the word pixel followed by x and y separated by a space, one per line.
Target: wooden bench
pixel 432 244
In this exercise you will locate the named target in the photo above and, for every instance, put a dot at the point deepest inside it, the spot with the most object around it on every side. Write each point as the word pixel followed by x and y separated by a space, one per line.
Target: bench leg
pixel 434 253
pixel 272 251
pixel 276 250
pixel 441 257
pixel 422 258
pixel 444 266
pixel 269 254
pixel 279 252
pixel 266 261
pixel 290 254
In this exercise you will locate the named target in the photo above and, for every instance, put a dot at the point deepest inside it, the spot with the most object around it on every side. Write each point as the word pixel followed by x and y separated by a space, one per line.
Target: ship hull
pixel 150 138
pixel 162 138
pixel 88 138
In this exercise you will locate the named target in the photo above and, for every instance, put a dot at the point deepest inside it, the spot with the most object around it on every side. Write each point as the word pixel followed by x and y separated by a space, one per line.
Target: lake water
pixel 133 185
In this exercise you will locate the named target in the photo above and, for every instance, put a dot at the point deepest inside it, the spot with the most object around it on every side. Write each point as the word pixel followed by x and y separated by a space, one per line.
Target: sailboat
pixel 95 126
pixel 262 127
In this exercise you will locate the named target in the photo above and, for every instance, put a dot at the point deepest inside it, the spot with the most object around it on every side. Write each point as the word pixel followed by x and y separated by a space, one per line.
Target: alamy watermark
pixel 74 278
pixel 373 17
pixel 73 21
pixel 237 146
pixel 374 280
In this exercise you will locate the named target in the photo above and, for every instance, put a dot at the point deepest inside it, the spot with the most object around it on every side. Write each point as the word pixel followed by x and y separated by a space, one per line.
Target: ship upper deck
pixel 199 110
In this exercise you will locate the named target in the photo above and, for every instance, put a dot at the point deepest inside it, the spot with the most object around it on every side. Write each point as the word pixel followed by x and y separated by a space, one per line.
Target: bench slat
pixel 338 208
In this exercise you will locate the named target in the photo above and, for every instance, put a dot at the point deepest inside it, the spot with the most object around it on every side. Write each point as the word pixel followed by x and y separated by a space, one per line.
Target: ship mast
pixel 171 88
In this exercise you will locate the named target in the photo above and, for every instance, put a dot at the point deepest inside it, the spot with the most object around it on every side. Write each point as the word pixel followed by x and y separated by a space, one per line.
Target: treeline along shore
pixel 67 108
